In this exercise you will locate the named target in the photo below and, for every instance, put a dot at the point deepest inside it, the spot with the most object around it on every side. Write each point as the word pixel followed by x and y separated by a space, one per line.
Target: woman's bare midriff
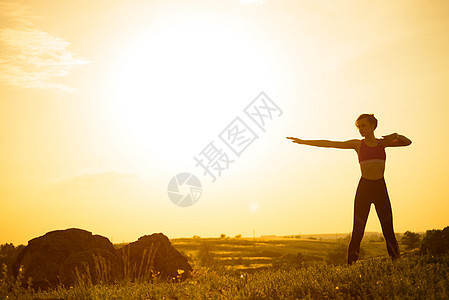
pixel 373 170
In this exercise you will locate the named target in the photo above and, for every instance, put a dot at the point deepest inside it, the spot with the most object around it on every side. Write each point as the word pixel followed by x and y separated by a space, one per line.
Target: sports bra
pixel 371 154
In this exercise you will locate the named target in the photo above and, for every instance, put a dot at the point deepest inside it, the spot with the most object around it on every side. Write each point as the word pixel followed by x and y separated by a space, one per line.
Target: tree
pixel 436 242
pixel 411 240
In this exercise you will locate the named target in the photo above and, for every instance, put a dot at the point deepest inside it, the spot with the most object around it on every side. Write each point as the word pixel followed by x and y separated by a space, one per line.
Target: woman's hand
pixel 295 140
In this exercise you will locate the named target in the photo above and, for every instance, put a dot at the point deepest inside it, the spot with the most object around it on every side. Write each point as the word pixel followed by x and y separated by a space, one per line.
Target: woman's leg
pixel 362 205
pixel 384 212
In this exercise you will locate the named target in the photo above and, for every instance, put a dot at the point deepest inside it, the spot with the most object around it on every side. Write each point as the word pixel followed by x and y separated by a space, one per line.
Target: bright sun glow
pixel 254 207
pixel 171 74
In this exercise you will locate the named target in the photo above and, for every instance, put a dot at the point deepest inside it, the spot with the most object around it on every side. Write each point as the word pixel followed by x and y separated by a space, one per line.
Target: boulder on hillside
pixel 74 256
pixel 92 266
pixel 154 255
pixel 51 259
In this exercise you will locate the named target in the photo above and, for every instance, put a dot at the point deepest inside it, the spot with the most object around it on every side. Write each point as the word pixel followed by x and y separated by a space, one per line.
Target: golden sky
pixel 104 102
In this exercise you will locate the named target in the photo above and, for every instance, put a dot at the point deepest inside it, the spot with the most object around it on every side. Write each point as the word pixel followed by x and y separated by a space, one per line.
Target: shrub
pixel 411 240
pixel 436 242
pixel 8 254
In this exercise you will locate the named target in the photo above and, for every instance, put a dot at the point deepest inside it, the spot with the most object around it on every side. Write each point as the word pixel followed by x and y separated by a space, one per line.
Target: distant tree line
pixel 434 242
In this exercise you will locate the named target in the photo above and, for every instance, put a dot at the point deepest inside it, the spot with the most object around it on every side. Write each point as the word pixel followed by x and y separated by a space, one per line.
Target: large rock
pixel 76 256
pixel 92 266
pixel 154 255
pixel 63 256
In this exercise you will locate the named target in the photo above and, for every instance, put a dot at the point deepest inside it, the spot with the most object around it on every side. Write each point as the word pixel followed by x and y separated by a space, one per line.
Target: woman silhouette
pixel 371 187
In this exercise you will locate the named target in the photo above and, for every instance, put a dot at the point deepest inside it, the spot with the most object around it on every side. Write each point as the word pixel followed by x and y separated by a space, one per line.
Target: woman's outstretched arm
pixel 350 144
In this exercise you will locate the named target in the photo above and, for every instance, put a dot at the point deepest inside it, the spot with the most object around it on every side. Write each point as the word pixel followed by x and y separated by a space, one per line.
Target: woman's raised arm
pixel 349 144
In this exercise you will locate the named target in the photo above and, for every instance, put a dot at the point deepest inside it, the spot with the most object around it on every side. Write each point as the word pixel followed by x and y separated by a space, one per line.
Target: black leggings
pixel 372 191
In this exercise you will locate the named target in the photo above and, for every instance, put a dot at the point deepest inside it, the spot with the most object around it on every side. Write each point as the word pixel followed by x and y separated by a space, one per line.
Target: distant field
pixel 253 253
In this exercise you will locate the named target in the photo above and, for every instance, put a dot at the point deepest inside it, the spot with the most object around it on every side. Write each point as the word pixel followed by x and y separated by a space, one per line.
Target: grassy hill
pixel 274 268
pixel 411 277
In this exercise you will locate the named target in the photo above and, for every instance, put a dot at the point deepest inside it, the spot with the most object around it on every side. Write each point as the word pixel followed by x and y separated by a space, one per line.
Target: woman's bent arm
pixel 350 144
pixel 395 140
